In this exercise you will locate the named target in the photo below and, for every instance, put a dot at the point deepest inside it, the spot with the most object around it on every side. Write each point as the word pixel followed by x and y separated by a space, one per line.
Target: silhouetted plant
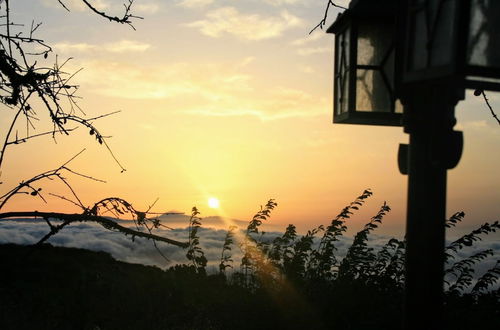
pixel 226 258
pixel 252 254
pixel 359 258
pixel 486 282
pixel 324 264
pixel 195 253
pixel 454 219
pixel 301 256
pixel 388 270
pixel 281 251
pixel 464 266
pixel 469 239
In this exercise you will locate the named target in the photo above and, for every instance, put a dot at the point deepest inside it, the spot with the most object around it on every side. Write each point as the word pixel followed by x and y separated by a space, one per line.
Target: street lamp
pixel 364 65
pixel 446 46
pixel 453 41
pixel 442 47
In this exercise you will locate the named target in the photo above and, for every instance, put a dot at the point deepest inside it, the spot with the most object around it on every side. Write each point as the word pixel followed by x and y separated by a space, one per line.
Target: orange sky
pixel 231 99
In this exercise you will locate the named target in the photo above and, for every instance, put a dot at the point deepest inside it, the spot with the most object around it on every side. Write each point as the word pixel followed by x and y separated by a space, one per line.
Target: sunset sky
pixel 230 99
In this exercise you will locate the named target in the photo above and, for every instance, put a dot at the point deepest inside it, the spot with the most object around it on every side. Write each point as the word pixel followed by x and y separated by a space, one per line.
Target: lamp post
pixel 442 47
pixel 365 49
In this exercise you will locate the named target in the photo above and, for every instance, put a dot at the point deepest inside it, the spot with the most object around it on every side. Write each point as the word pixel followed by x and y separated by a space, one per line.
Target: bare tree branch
pixel 481 92
pixel 69 218
pixel 126 18
pixel 322 23
pixel 24 85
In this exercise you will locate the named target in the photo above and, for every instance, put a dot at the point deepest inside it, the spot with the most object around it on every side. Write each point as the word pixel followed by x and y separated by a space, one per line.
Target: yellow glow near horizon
pixel 213 203
pixel 208 110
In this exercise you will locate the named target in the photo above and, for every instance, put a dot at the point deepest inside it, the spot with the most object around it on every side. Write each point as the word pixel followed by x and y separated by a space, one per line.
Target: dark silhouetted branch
pixel 322 23
pixel 68 218
pixel 125 19
pixel 488 104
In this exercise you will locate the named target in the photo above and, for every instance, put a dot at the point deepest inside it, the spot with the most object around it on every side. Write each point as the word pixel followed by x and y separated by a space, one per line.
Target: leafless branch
pixel 24 85
pixel 126 18
pixel 21 80
pixel 18 140
pixel 69 218
pixel 26 187
pixel 322 23
pixel 481 92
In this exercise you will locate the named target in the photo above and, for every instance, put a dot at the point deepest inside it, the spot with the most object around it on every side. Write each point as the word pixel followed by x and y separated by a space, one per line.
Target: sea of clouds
pixel 94 237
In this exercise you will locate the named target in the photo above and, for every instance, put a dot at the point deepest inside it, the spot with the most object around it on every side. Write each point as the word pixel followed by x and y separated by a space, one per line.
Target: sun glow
pixel 213 203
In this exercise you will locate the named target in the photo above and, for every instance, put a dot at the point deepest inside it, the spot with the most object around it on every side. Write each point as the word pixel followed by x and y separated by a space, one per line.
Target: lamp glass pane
pixel 398 107
pixel 372 94
pixel 432 38
pixel 418 41
pixel 444 21
pixel 484 33
pixel 388 69
pixel 374 41
pixel 342 47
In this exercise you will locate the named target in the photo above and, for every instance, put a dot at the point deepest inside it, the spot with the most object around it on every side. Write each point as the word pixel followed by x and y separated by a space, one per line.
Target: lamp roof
pixel 364 9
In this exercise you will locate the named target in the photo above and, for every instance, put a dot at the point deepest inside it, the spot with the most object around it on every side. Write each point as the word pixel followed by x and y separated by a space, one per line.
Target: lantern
pixel 453 41
pixel 364 74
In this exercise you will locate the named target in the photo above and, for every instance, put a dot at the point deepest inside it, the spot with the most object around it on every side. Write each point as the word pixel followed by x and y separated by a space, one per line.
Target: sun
pixel 213 203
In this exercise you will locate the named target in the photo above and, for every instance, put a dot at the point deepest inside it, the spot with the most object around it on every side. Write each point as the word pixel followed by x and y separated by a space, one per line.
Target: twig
pixel 24 139
pixel 125 19
pixel 323 21
pixel 489 107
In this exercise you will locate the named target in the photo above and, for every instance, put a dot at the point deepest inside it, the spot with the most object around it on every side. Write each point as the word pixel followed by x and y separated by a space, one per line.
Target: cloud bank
pixel 93 237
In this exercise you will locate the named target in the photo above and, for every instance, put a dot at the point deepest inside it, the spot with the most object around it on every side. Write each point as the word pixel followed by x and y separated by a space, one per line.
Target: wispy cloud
pixel 209 89
pixel 205 81
pixel 146 7
pixel 115 47
pixel 312 51
pixel 306 69
pixel 194 3
pixel 308 38
pixel 275 103
pixel 228 20
pixel 284 2
pixel 127 46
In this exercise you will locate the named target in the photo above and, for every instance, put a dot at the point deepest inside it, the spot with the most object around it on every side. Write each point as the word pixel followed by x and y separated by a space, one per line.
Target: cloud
pixel 202 81
pixel 127 46
pixel 115 47
pixel 146 8
pixel 194 3
pixel 306 69
pixel 94 237
pixel 275 103
pixel 284 2
pixel 246 61
pixel 312 51
pixel 208 89
pixel 228 20
pixel 66 47
pixel 310 38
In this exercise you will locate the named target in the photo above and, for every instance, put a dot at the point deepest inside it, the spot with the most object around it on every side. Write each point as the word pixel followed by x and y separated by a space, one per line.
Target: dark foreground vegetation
pixel 289 282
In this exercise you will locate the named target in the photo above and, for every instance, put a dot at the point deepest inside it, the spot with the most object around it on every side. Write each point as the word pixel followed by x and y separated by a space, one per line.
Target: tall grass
pixel 312 260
